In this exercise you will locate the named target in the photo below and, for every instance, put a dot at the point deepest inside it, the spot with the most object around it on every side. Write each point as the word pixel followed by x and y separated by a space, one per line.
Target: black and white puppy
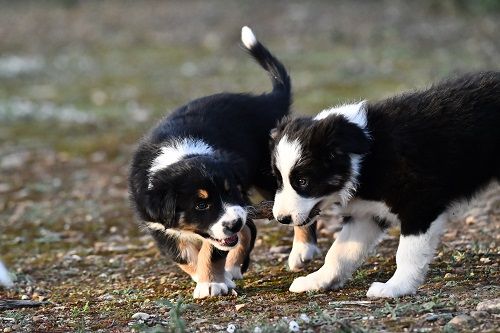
pixel 405 160
pixel 190 175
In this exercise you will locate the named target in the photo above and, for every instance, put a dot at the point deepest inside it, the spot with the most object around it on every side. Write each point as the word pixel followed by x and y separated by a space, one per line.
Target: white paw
pixel 228 280
pixel 300 254
pixel 379 289
pixel 206 289
pixel 235 272
pixel 319 280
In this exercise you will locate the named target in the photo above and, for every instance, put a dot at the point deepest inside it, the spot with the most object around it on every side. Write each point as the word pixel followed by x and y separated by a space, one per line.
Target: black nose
pixel 232 227
pixel 284 219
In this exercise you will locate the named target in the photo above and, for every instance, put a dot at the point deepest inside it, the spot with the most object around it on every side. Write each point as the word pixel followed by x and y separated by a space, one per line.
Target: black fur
pixel 237 127
pixel 424 150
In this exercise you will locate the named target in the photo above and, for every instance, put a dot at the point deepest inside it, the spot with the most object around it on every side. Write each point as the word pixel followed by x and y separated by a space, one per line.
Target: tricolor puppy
pixel 405 160
pixel 190 175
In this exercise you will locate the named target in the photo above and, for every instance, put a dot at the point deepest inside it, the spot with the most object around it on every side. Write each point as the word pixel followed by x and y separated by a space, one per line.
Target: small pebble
pixel 305 318
pixel 462 320
pixel 25 297
pixel 479 314
pixel 37 318
pixel 280 249
pixel 7 330
pixel 141 316
pixel 491 306
pixel 240 306
pixel 231 328
pixel 293 326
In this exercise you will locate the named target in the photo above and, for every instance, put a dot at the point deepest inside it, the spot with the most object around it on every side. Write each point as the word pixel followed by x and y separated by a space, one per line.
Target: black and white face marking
pixel 290 207
pixel 201 193
pixel 315 159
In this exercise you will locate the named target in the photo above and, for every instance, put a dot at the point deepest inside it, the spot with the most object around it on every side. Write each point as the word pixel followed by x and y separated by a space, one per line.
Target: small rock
pixel 479 314
pixel 240 306
pixel 448 276
pixel 140 316
pixel 37 318
pixel 485 260
pixel 462 320
pixel 431 317
pixel 280 249
pixel 25 297
pixel 491 306
pixel 7 330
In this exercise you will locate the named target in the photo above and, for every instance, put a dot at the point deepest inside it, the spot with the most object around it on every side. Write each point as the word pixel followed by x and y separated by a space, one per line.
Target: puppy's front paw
pixel 235 272
pixel 319 280
pixel 207 289
pixel 300 254
pixel 228 280
pixel 386 290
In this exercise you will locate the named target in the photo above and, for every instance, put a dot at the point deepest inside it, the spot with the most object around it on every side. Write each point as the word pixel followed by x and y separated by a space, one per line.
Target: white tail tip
pixel 248 38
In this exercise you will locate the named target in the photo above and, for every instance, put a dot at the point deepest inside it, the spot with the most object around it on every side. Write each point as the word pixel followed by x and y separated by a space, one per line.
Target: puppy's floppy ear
pixel 160 206
pixel 340 136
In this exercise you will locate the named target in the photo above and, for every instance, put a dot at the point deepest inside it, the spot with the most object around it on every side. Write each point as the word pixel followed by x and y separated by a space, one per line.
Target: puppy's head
pixel 312 159
pixel 198 196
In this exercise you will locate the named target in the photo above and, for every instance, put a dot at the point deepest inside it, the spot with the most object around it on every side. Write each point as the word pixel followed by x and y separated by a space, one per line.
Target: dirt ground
pixel 81 81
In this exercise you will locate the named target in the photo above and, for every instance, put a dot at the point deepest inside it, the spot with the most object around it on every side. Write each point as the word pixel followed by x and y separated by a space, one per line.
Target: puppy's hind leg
pixel 238 258
pixel 356 239
pixel 415 252
pixel 304 247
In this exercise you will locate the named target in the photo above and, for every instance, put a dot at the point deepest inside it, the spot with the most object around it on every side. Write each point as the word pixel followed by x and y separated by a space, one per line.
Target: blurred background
pixel 81 81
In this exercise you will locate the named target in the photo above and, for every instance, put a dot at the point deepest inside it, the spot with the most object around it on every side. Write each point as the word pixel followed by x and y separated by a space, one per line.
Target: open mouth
pixel 229 242
pixel 315 211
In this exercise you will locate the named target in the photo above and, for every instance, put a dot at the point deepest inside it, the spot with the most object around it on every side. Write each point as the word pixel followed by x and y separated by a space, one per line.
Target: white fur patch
pixel 206 289
pixel 300 254
pixel 414 254
pixel 248 38
pixel 287 201
pixel 231 213
pixel 355 113
pixel 356 239
pixel 235 272
pixel 177 151
pixel 5 279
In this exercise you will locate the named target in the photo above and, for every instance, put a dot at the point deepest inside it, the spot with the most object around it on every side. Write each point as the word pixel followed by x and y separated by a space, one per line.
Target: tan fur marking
pixel 202 193
pixel 237 256
pixel 189 268
pixel 207 270
pixel 302 235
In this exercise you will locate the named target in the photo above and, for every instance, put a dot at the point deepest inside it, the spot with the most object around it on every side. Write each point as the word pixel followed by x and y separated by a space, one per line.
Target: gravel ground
pixel 80 82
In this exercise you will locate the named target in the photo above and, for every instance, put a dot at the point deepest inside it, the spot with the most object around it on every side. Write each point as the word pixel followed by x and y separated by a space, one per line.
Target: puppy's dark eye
pixel 302 182
pixel 202 205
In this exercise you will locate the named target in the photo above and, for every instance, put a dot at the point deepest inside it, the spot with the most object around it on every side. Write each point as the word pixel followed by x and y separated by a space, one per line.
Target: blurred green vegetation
pixel 126 63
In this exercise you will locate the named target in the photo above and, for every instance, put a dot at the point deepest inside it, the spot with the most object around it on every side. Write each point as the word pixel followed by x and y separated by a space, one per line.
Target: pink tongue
pixel 230 240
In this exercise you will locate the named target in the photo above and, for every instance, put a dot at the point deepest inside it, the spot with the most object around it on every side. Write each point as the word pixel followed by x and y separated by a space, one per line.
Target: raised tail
pixel 279 76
